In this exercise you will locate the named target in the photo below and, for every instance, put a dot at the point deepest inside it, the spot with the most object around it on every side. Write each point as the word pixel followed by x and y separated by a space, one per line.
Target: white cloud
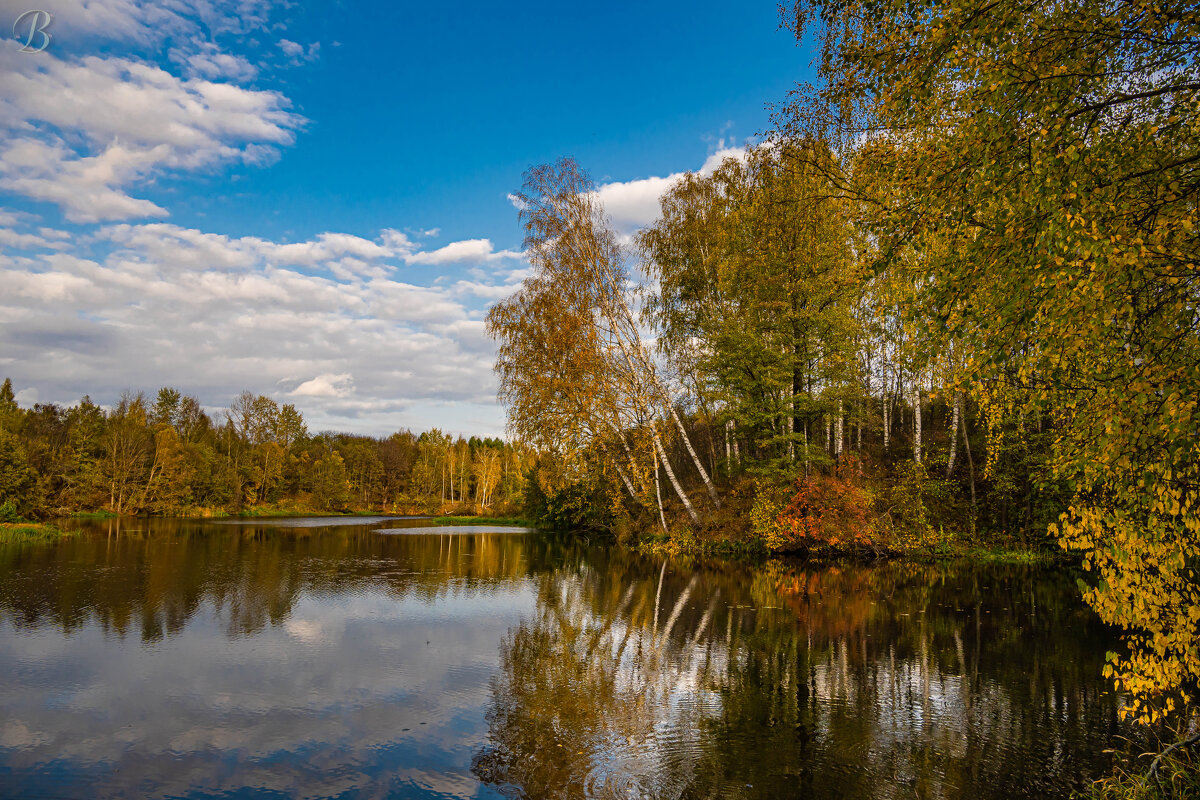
pixel 456 252
pixel 12 218
pixel 327 247
pixel 82 186
pixel 161 304
pixel 341 385
pixel 28 241
pixel 297 53
pixel 635 204
pixel 148 22
pixel 209 62
pixel 81 133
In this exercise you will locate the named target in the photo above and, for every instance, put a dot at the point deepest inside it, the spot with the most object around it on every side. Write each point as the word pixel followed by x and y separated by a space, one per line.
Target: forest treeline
pixel 169 456
pixel 954 292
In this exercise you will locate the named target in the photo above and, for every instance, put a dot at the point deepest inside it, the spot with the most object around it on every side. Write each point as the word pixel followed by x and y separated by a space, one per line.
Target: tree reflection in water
pixel 886 681
pixel 629 678
pixel 155 575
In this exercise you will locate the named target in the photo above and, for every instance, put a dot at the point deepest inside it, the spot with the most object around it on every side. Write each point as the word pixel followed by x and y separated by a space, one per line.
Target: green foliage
pixel 906 510
pixel 573 505
pixel 17 479
pixel 754 262
pixel 9 512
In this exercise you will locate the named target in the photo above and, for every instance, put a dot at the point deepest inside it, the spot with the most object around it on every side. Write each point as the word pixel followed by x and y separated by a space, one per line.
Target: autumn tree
pixel 1041 161
pixel 573 368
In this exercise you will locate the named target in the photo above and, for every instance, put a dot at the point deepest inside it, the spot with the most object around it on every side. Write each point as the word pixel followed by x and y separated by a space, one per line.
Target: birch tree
pixel 573 369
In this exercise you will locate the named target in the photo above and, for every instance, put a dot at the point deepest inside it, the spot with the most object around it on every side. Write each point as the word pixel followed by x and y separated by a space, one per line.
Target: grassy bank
pixel 466 520
pixel 746 545
pixel 1171 775
pixel 31 532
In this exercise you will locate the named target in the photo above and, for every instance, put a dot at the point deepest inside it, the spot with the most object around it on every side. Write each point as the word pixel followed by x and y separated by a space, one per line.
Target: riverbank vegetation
pixel 170 456
pixel 952 298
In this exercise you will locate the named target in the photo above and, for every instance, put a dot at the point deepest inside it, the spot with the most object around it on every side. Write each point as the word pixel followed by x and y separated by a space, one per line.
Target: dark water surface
pixel 181 658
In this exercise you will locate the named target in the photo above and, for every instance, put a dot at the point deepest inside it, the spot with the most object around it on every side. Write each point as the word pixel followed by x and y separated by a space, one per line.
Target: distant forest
pixel 168 456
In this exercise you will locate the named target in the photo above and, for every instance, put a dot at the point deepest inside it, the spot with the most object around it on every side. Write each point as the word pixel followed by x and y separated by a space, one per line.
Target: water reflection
pixel 892 681
pixel 170 658
pixel 122 578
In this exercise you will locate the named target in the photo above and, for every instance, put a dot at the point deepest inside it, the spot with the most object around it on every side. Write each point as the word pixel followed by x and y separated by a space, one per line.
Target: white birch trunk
pixel 806 449
pixel 791 429
pixel 624 479
pixel 658 496
pixel 887 420
pixel 648 373
pixel 954 420
pixel 687 442
pixel 840 420
pixel 916 397
pixel 662 457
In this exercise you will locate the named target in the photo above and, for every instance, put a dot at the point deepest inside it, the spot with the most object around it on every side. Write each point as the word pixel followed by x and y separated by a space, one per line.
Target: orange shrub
pixel 827 512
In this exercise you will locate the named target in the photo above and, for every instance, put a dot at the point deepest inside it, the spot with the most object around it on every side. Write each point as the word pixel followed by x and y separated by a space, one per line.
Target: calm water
pixel 175 658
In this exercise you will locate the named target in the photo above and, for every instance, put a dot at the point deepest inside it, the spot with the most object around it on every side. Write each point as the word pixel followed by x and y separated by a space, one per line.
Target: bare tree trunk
pixel 887 420
pixel 662 517
pixel 916 396
pixel 650 375
pixel 629 454
pixel 625 479
pixel 662 456
pixel 970 465
pixel 840 419
pixel 791 430
pixel 954 434
pixel 687 442
pixel 806 460
pixel 791 426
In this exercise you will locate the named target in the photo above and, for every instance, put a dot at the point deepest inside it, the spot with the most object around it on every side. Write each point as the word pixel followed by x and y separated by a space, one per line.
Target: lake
pixel 365 658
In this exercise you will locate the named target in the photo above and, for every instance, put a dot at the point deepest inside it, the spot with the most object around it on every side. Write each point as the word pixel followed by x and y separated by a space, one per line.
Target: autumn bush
pixel 827 512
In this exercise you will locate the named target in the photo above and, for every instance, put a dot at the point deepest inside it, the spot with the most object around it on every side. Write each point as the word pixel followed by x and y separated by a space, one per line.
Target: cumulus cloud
pixel 160 304
pixel 634 204
pixel 341 385
pixel 467 250
pixel 149 22
pixel 29 241
pixel 81 133
pixel 211 63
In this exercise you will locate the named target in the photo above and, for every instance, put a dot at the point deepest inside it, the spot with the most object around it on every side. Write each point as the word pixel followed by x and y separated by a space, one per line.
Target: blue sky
pixel 311 201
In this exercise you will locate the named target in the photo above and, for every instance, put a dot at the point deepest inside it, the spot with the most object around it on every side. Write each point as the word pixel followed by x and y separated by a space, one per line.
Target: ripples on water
pixel 323 658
